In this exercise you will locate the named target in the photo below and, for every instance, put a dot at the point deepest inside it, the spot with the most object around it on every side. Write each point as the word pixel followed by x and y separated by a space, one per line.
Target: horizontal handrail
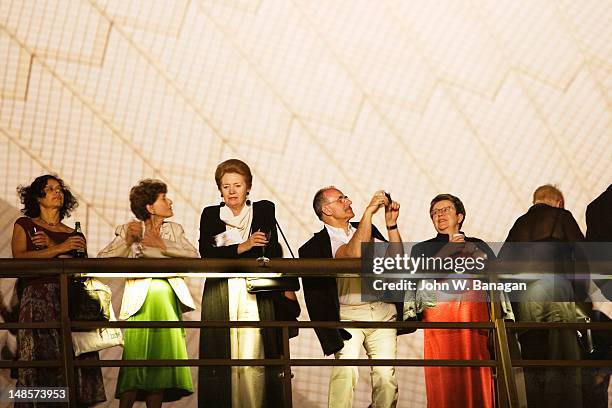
pixel 298 324
pixel 191 266
pixel 560 325
pixel 310 267
pixel 305 268
pixel 30 364
pixel 305 362
pixel 195 324
pixel 302 362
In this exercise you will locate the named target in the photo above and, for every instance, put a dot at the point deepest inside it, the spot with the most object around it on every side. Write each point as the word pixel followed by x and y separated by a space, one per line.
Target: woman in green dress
pixel 162 299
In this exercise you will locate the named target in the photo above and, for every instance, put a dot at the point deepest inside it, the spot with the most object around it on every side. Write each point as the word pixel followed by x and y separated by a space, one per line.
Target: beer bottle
pixel 78 253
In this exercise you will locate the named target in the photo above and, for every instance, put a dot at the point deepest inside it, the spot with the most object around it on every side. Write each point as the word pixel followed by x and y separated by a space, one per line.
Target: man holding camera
pixel 339 299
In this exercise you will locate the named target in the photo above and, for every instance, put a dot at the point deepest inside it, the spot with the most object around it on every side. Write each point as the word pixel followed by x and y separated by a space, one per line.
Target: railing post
pixel 506 386
pixel 287 368
pixel 67 352
pixel 505 363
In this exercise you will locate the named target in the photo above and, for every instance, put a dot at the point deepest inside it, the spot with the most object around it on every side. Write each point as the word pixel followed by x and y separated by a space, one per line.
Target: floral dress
pixel 40 302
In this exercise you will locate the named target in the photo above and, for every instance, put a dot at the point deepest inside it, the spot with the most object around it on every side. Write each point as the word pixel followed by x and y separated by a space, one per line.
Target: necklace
pixel 51 224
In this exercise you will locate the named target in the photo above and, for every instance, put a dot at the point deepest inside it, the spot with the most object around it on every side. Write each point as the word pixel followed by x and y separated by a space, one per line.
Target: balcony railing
pixel 502 363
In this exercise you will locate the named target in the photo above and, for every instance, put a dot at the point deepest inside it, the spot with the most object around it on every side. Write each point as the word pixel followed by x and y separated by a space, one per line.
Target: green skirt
pixel 161 304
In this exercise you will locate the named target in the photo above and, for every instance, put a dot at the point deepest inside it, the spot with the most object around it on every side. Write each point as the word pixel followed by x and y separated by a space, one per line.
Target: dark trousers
pixel 551 386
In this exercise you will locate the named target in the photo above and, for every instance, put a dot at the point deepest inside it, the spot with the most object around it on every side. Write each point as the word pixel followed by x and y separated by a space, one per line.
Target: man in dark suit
pixel 550 299
pixel 339 299
pixel 599 229
pixel 599 218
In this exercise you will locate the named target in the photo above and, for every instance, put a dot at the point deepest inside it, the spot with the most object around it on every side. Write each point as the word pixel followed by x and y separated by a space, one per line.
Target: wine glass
pixel 31 235
pixel 263 258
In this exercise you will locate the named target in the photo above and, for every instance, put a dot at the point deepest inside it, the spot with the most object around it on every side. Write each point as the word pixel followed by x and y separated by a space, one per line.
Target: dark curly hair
pixel 29 196
pixel 143 194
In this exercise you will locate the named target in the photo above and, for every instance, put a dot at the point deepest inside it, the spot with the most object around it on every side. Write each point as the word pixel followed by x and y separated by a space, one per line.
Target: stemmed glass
pixel 263 258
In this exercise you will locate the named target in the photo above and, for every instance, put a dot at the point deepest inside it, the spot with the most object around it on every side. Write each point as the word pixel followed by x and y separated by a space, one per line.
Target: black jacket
pixel 545 223
pixel 215 381
pixel 599 229
pixel 432 246
pixel 555 231
pixel 547 300
pixel 599 218
pixel 212 225
pixel 321 293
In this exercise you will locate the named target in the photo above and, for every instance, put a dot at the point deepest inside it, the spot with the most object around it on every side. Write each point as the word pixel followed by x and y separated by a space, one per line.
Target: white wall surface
pixel 482 99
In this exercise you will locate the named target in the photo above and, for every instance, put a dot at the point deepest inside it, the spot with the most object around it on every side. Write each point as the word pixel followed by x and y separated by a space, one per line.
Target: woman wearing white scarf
pixel 238 229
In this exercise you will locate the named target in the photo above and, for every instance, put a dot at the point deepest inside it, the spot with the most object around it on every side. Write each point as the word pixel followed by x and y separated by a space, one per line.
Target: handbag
pixel 290 283
pixel 585 336
pixel 9 311
pixel 98 339
pixel 255 285
pixel 584 311
pixel 101 337
pixel 85 302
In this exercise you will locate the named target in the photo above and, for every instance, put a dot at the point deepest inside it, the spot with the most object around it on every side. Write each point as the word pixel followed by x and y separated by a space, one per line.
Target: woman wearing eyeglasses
pixel 455 386
pixel 41 234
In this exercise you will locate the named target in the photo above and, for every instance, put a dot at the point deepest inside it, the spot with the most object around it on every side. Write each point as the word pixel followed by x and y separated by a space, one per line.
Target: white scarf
pixel 241 222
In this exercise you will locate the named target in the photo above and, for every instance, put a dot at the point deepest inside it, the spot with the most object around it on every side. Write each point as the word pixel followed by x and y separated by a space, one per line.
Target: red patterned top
pixel 28 226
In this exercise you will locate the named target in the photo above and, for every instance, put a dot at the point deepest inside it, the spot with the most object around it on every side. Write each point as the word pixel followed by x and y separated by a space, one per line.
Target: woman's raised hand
pixel 257 239
pixel 152 239
pixel 133 233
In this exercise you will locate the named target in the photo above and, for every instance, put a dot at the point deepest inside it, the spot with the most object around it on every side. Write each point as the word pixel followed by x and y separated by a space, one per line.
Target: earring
pixel 248 202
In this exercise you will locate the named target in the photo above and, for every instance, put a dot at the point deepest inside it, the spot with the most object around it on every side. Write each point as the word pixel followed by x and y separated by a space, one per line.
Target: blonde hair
pixel 548 193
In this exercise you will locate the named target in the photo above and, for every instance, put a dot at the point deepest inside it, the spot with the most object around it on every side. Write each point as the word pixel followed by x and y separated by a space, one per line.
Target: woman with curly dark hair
pixel 41 234
pixel 152 299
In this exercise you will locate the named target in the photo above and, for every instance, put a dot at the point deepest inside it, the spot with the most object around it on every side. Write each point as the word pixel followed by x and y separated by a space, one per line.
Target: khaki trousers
pixel 378 344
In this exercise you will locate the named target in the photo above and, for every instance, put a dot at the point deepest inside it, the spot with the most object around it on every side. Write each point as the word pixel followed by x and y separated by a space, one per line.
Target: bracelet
pixel 391 227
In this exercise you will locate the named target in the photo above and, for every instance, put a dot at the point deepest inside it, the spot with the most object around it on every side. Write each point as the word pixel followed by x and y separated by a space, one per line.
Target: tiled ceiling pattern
pixel 483 98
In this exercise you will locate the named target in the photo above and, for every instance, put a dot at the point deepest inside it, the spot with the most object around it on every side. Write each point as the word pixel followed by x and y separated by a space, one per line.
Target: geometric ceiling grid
pixel 485 99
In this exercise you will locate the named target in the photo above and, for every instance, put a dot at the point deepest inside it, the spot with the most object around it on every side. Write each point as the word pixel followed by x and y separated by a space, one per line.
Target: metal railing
pixel 502 363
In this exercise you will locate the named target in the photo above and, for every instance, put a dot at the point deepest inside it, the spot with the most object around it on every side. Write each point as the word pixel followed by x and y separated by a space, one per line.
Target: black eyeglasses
pixel 441 211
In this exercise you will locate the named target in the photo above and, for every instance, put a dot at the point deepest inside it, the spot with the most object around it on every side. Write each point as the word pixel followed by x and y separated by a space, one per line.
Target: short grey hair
pixel 320 200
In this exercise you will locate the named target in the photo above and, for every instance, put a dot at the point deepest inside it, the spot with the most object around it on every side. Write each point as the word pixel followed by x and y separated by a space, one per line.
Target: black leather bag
pixel 84 303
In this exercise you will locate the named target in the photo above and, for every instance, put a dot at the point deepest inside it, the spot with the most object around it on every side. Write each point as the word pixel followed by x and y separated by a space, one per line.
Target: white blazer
pixel 135 292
